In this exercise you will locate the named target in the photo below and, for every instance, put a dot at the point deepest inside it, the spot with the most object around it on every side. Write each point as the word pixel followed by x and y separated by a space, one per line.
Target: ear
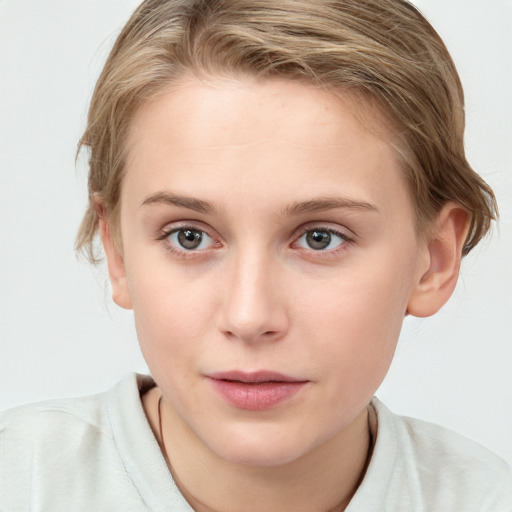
pixel 444 253
pixel 116 268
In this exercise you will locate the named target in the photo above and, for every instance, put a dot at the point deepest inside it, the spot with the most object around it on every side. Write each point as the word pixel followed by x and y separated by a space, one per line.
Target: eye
pixel 189 239
pixel 321 239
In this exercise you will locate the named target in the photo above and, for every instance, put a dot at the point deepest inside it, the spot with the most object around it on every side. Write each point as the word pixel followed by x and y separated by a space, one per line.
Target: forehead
pixel 250 104
pixel 258 136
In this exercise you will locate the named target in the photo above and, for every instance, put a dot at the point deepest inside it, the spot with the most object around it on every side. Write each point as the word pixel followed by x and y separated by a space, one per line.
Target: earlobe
pixel 116 267
pixel 436 283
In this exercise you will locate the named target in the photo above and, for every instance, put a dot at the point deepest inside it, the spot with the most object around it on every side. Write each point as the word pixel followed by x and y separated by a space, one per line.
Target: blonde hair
pixel 384 51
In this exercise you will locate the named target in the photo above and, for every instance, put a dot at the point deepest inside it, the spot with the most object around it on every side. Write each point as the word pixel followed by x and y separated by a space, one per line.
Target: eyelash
pixel 344 239
pixel 184 253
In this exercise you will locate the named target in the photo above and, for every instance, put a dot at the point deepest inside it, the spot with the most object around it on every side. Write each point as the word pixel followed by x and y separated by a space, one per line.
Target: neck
pixel 324 479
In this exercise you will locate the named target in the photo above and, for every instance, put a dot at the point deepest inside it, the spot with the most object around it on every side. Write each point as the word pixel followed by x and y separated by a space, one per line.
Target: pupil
pixel 318 239
pixel 189 239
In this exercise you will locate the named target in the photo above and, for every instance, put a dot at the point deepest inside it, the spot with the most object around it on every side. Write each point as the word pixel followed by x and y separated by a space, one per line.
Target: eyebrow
pixel 328 203
pixel 300 208
pixel 182 201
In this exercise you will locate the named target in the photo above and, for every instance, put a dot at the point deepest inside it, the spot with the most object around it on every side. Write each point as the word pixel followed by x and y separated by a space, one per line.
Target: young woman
pixel 276 186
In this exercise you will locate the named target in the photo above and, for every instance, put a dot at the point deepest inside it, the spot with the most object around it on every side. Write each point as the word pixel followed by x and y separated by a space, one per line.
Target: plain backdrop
pixel 60 333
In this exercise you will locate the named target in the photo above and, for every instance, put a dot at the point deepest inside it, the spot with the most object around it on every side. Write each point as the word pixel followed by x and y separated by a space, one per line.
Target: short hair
pixel 383 52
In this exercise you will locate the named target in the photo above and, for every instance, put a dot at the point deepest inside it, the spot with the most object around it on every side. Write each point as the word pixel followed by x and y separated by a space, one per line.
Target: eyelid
pixel 195 225
pixel 204 240
pixel 329 228
pixel 164 234
pixel 343 232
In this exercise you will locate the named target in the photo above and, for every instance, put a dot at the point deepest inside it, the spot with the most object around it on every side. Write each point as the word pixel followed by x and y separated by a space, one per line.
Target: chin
pixel 258 456
pixel 261 449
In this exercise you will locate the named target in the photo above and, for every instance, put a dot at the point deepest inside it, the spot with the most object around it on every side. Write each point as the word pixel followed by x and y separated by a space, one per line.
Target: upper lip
pixel 254 377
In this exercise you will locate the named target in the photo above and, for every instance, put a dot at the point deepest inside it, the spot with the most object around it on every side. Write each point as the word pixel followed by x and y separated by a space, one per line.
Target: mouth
pixel 253 377
pixel 255 391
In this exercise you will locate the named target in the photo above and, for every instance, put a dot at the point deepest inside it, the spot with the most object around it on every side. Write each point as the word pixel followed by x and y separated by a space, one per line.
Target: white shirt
pixel 98 453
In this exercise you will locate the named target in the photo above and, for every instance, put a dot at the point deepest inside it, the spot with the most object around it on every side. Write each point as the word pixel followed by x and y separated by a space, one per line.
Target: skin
pixel 273 161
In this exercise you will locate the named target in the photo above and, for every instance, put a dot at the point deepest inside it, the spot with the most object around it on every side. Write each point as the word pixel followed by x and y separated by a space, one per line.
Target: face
pixel 270 253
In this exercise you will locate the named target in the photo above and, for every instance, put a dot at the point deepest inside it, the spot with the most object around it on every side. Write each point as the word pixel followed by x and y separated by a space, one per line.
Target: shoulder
pixel 417 465
pixel 431 441
pixel 65 449
pixel 87 413
pixel 441 452
pixel 38 419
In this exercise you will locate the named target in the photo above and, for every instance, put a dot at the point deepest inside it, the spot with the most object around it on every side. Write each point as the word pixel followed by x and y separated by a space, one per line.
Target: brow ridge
pixel 190 203
pixel 299 208
pixel 327 203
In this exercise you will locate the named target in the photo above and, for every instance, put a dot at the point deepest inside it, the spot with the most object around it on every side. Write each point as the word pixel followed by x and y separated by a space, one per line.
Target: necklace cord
pixel 160 430
pixel 371 425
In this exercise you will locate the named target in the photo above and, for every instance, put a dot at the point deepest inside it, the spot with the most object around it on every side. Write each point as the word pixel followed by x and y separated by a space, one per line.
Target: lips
pixel 255 391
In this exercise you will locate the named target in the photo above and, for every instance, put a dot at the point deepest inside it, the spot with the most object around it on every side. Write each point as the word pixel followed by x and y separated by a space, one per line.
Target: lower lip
pixel 256 396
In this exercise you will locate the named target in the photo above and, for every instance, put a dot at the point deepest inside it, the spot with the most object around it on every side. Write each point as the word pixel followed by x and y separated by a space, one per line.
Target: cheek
pixel 172 313
pixel 356 320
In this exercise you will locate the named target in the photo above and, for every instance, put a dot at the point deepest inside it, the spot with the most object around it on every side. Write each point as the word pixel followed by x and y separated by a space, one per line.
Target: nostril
pixel 268 335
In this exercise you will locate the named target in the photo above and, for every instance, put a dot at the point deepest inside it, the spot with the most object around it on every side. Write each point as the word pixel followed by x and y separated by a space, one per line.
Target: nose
pixel 253 304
